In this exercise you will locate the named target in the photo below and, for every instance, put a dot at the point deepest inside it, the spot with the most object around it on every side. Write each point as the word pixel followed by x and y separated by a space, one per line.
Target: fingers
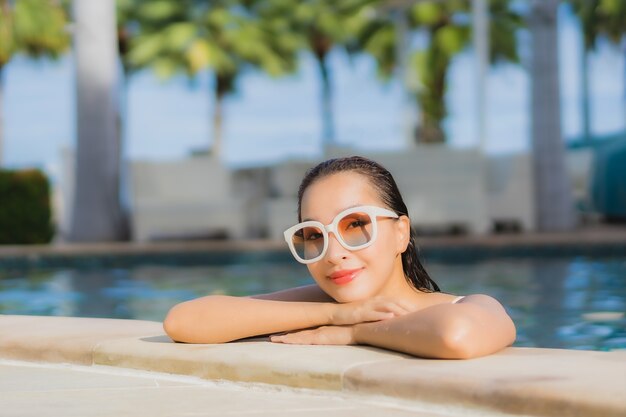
pixel 281 338
pixel 296 338
pixel 408 306
pixel 375 309
pixel 379 315
pixel 325 335
pixel 386 311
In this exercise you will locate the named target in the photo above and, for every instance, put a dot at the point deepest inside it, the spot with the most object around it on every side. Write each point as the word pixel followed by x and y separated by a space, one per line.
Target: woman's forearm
pixel 448 331
pixel 220 319
pixel 412 333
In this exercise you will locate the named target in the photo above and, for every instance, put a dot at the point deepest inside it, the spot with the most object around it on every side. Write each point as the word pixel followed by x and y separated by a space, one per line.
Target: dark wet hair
pixel 382 180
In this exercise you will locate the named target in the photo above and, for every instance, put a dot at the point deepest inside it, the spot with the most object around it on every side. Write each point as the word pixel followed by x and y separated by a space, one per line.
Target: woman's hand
pixel 344 317
pixel 325 335
pixel 373 309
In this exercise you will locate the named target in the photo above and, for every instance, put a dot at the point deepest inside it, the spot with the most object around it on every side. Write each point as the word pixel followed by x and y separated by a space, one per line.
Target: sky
pixel 270 120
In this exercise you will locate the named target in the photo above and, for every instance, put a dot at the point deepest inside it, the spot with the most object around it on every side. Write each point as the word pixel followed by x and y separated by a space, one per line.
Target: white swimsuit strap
pixel 457 299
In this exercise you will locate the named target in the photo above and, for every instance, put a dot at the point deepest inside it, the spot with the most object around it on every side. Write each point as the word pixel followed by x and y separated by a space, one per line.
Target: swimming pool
pixel 575 302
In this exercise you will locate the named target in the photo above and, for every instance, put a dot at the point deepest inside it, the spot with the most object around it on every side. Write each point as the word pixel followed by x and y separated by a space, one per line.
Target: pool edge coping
pixel 513 381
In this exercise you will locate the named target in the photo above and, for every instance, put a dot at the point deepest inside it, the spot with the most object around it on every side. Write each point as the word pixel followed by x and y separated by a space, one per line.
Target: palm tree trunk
pixel 218 116
pixel 480 41
pixel 328 128
pixel 624 101
pixel 96 213
pixel 216 148
pixel 585 99
pixel 321 45
pixel 430 130
pixel 553 198
pixel 124 176
pixel 1 114
pixel 432 100
pixel 224 84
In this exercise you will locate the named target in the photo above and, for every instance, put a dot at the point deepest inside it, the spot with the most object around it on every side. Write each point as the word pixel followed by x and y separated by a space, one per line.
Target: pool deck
pixel 57 366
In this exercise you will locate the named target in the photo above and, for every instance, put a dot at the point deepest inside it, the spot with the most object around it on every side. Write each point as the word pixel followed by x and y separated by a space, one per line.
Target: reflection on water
pixel 550 300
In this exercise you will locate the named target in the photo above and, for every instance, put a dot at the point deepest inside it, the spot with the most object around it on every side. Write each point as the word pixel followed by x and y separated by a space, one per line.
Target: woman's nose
pixel 335 252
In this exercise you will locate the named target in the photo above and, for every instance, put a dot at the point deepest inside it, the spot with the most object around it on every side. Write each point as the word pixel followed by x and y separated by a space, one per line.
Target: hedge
pixel 25 213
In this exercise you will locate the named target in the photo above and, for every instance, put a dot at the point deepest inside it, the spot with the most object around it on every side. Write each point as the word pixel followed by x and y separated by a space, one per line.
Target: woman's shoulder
pixel 307 293
pixel 483 300
pixel 443 297
pixel 457 299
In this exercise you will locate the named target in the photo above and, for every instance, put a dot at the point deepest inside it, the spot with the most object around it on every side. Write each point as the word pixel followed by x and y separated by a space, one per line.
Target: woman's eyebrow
pixel 308 219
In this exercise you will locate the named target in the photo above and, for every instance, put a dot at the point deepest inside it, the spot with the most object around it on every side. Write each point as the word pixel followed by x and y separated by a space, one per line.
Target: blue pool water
pixel 555 302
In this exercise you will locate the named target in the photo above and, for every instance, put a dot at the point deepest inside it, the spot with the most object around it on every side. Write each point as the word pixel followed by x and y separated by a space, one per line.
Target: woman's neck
pixel 398 285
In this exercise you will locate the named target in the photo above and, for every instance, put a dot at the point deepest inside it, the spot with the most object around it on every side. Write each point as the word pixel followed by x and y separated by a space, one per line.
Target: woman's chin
pixel 350 295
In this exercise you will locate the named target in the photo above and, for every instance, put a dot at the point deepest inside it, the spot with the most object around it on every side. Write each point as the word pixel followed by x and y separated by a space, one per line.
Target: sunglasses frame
pixel 373 211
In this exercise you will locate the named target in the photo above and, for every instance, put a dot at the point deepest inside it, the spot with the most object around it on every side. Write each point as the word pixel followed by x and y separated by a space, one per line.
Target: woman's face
pixel 355 275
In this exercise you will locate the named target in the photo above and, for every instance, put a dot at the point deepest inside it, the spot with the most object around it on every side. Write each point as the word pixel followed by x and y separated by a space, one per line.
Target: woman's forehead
pixel 328 196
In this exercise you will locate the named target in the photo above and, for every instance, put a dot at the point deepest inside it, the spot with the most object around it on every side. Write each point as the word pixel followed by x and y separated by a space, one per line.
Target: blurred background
pixel 169 119
pixel 165 121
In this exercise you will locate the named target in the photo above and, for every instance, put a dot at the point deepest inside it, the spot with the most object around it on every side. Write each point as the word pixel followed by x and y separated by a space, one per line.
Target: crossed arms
pixel 476 326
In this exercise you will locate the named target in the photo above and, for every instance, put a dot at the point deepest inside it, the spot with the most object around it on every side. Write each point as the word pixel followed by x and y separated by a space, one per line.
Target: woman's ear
pixel 403 226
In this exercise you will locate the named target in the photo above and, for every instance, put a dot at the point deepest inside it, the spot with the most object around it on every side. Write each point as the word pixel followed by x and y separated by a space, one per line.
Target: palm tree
pixel 225 37
pixel 322 25
pixel 616 27
pixel 598 18
pixel 126 18
pixel 36 28
pixel 553 198
pixel 432 64
pixel 591 23
pixel 448 30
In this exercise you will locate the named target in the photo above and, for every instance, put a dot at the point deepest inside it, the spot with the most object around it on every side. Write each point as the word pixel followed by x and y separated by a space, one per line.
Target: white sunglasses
pixel 355 228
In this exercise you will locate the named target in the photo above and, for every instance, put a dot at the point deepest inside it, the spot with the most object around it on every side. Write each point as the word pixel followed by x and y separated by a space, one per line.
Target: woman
pixel 355 237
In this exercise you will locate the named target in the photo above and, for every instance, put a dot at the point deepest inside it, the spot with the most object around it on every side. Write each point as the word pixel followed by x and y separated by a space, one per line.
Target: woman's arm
pixel 312 293
pixel 220 318
pixel 476 326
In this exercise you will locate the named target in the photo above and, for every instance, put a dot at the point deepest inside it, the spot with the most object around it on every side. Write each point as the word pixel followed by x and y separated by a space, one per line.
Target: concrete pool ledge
pixel 527 381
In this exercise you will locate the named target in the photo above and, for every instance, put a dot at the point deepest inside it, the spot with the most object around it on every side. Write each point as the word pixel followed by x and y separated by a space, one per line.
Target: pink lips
pixel 344 276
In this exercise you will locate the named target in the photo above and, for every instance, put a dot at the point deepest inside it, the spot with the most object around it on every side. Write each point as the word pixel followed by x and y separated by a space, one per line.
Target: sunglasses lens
pixel 355 229
pixel 308 242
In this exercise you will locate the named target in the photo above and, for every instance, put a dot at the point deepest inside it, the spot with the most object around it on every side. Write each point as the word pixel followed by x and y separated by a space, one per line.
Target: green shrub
pixel 25 213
